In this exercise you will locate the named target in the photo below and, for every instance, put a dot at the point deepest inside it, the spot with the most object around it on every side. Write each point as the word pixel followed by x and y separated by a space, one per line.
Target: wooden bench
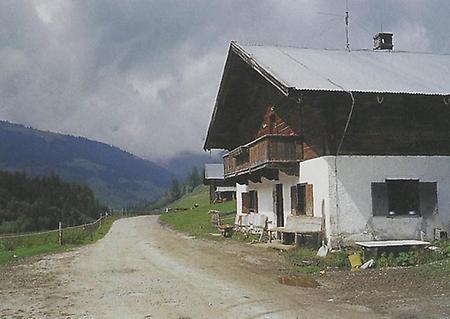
pixel 301 225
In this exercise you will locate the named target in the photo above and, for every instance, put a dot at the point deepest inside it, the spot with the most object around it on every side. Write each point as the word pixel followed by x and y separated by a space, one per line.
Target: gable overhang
pixel 247 58
pixel 231 83
pixel 225 133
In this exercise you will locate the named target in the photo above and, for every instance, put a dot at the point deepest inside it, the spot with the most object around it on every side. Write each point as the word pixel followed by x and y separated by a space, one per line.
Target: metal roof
pixel 291 68
pixel 214 171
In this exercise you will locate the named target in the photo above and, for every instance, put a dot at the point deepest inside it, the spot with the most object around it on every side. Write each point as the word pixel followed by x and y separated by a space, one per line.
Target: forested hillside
pixel 118 178
pixel 181 164
pixel 39 203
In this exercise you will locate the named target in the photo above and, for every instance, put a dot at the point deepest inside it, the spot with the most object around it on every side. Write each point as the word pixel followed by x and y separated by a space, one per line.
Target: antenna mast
pixel 347 19
pixel 347 44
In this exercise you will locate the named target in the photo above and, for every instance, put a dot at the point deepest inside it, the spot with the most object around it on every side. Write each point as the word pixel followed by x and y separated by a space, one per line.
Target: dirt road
pixel 142 270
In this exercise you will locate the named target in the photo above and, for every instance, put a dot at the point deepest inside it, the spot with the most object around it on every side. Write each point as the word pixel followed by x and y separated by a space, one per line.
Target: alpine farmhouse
pixel 358 138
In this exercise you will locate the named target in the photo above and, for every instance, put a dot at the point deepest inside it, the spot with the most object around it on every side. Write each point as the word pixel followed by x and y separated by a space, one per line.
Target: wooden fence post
pixel 60 234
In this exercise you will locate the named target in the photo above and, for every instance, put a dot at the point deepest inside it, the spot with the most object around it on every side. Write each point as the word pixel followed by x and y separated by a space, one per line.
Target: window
pixel 250 202
pixel 404 197
pixel 253 203
pixel 302 200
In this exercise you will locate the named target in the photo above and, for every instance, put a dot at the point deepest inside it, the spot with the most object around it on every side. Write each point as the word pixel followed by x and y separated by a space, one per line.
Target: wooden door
pixel 305 199
pixel 278 204
pixel 309 200
pixel 245 203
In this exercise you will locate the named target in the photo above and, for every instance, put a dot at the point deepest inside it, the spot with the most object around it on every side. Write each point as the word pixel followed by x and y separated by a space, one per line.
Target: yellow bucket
pixel 355 261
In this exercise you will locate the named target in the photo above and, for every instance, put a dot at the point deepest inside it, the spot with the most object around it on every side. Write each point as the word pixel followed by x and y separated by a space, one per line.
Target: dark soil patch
pixel 396 292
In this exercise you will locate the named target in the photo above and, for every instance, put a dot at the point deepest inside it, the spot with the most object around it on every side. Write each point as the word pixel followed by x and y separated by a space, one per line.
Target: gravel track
pixel 143 270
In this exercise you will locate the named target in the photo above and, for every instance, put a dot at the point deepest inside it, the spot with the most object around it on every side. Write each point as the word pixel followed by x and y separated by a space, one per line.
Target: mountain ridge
pixel 118 178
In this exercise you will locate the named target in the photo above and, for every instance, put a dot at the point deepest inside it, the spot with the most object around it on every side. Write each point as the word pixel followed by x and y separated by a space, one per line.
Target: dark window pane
pixel 403 197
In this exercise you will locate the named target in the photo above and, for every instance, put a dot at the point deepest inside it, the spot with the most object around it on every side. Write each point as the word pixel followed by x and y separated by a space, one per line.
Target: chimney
pixel 383 41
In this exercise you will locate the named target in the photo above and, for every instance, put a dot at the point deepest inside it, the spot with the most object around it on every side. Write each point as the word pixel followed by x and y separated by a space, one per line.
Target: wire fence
pixel 72 235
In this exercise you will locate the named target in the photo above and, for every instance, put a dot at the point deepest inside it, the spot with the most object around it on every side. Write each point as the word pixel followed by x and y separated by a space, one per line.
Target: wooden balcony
pixel 264 157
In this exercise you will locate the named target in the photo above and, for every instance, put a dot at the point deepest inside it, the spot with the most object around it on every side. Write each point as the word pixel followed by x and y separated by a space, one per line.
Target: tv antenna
pixel 347 20
pixel 347 43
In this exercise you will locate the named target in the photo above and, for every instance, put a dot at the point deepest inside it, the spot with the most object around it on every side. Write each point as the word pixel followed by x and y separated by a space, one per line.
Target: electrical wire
pixel 341 142
pixel 347 124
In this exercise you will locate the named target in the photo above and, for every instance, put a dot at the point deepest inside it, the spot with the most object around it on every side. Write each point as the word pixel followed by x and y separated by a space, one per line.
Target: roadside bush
pixel 75 236
pixel 7 245
pixel 444 247
pixel 415 257
pixel 382 261
pixel 407 258
pixel 306 261
pixel 337 259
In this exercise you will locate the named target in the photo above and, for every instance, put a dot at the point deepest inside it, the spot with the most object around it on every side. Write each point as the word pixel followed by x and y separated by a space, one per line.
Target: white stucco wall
pixel 355 175
pixel 265 197
pixel 318 172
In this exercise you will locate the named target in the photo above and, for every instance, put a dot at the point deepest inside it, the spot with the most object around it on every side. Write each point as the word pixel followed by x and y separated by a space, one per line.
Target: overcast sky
pixel 143 75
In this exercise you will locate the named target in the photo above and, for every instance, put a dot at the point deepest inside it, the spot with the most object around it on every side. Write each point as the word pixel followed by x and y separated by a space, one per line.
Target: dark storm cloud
pixel 143 75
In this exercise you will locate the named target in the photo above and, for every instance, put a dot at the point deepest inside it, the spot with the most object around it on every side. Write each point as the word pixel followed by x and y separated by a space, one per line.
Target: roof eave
pixel 284 88
pixel 241 53
pixel 247 58
pixel 207 146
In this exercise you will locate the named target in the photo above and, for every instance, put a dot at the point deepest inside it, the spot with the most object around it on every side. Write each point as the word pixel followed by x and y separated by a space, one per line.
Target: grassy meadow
pixel 195 220
pixel 14 249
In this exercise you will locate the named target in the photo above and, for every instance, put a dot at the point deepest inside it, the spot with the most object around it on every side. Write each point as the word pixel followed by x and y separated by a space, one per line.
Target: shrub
pixel 407 258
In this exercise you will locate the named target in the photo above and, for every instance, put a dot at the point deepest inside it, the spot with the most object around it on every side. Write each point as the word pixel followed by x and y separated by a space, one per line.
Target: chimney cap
pixel 383 41
pixel 382 34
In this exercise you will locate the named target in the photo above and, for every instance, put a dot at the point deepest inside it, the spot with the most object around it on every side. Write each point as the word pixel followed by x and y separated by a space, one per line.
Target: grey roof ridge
pixel 239 43
pixel 281 85
pixel 308 68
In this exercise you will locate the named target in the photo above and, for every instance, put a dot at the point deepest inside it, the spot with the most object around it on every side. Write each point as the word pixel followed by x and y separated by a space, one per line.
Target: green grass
pixel 24 252
pixel 199 196
pixel 15 249
pixel 430 264
pixel 304 260
pixel 436 269
pixel 436 264
pixel 195 221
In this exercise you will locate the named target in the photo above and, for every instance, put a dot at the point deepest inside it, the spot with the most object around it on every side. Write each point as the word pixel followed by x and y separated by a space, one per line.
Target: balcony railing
pixel 267 151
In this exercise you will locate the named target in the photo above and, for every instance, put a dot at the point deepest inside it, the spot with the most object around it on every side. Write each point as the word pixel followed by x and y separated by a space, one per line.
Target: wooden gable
pixel 274 124
pixel 381 124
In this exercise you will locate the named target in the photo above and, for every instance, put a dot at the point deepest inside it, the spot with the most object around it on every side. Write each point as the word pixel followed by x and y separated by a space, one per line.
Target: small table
pixel 371 247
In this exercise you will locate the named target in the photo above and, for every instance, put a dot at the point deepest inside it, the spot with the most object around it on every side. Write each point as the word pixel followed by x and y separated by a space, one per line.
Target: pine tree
pixel 195 177
pixel 175 190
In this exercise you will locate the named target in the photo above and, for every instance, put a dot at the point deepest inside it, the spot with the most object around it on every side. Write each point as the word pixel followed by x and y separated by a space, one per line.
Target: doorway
pixel 278 204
